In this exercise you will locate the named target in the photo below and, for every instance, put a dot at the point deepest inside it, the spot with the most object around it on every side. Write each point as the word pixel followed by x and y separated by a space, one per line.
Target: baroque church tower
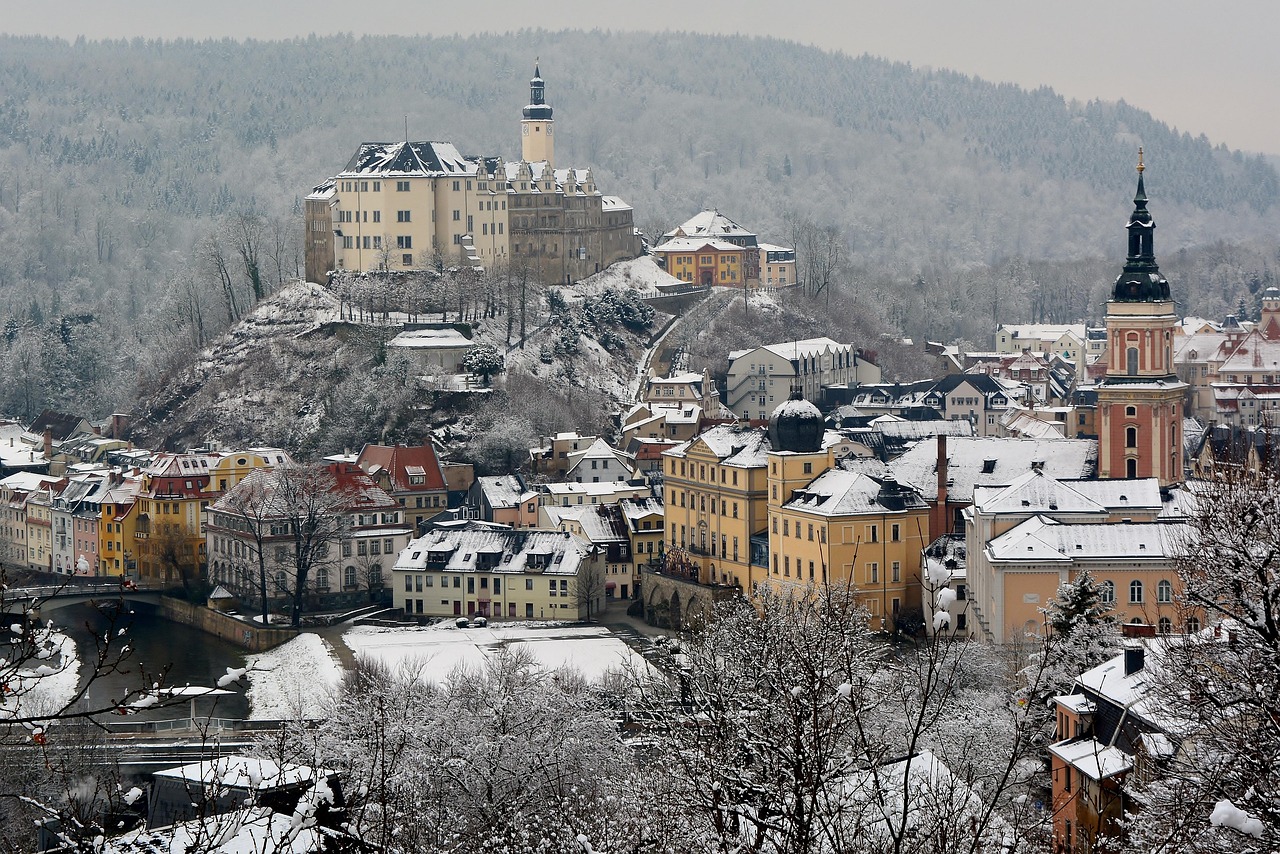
pixel 1140 401
pixel 536 140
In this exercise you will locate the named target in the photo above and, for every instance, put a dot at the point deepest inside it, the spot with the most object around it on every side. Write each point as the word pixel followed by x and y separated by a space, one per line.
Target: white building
pixel 762 378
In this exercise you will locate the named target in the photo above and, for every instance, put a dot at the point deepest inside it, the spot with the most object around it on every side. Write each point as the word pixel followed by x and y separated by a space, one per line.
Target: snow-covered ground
pixel 292 680
pixel 640 274
pixel 46 684
pixel 437 650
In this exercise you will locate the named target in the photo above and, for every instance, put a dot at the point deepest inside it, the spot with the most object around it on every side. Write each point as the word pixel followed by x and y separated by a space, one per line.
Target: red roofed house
pixel 411 474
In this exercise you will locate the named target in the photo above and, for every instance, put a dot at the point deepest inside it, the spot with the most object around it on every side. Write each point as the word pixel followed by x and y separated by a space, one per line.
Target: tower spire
pixel 1140 281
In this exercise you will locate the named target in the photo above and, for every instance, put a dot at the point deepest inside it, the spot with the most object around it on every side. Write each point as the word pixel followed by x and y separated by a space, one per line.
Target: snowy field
pixel 293 680
pixel 437 650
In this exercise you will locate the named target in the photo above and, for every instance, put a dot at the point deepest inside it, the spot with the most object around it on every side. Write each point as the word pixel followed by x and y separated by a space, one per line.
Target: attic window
pixel 1037 465
pixel 988 466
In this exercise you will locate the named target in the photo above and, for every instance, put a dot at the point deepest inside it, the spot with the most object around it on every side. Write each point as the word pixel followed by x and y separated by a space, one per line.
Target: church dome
pixel 796 426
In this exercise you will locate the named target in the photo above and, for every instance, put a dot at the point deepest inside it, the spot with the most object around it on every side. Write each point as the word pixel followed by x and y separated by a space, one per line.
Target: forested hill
pixel 123 163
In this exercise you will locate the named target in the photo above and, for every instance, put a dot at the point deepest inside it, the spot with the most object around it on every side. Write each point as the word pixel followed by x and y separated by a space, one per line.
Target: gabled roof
pixel 733 445
pixel 1036 492
pixel 710 223
pixel 61 425
pixel 990 461
pixel 837 492
pixel 408 158
pixel 1042 540
pixel 403 462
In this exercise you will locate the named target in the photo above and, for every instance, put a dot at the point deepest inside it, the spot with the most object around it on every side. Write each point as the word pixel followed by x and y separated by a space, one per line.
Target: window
pixel 873 533
pixel 1135 592
pixel 407 259
pixel 1131 437
pixel 1193 625
pixel 897 571
pixel 1131 361
pixel 402 216
pixel 1166 625
pixel 349 576
pixel 402 186
pixel 873 573
pixel 528 584
pixel 896 533
pixel 404 241
pixel 1164 592
pixel 457 216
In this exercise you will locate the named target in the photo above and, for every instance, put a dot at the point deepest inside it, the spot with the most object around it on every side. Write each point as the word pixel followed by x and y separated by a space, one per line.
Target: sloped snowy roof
pixel 968 458
pixel 837 492
pixel 732 444
pixel 408 158
pixel 557 552
pixel 1036 492
pixel 694 244
pixel 1090 757
pixel 709 223
pixel 1042 540
pixel 430 339
pixel 253 830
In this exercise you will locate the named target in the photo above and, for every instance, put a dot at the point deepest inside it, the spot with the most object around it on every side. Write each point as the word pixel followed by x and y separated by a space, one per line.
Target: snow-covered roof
pixel 243 772
pixel 1090 757
pixel 837 492
pixel 502 490
pixel 1042 540
pixel 430 339
pixel 407 159
pixel 252 830
pixel 695 244
pixel 794 349
pixel 459 550
pixel 732 444
pixel 709 223
pixel 1078 703
pixel 973 461
pixel 1036 492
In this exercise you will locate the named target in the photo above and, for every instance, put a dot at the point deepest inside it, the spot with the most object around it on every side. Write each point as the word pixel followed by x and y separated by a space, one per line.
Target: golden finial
pixel 1141 168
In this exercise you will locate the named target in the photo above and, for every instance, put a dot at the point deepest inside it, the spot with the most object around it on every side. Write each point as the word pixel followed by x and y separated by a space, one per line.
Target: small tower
pixel 536 140
pixel 1140 400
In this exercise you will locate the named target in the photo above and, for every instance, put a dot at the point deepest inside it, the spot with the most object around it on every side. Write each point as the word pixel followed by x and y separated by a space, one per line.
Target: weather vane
pixel 1141 168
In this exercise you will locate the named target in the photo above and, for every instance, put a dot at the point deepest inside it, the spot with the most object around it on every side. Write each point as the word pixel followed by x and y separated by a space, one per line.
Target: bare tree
pixel 589 587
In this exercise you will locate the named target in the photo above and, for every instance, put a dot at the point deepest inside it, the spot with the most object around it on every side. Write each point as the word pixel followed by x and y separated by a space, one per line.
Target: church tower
pixel 1140 401
pixel 536 140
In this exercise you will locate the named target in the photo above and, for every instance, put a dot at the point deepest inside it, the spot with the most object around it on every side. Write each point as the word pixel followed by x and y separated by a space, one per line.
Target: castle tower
pixel 1140 401
pixel 536 140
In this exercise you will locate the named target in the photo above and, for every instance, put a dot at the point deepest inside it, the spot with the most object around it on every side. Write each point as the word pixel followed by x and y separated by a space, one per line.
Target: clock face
pixel 548 129
pixel 524 129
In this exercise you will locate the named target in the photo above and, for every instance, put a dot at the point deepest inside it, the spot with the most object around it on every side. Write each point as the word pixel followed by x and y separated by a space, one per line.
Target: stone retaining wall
pixel 250 636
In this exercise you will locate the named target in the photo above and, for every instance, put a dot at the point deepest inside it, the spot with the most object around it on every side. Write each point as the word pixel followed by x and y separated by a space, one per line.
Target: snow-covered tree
pixel 1220 690
pixel 789 727
pixel 483 359
pixel 1081 633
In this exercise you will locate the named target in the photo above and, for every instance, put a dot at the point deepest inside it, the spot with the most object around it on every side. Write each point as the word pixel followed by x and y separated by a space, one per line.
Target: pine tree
pixel 1081 634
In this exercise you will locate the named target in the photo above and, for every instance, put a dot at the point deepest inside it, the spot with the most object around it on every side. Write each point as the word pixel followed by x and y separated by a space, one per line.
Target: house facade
pixel 762 378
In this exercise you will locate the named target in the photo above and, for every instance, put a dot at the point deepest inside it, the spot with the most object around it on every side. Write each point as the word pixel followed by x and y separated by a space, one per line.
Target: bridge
pixel 51 597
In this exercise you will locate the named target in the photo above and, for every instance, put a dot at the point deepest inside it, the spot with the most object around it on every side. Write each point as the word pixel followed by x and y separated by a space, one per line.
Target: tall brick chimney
pixel 939 523
pixel 48 444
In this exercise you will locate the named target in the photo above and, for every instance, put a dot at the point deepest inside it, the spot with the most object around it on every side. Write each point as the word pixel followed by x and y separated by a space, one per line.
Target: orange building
pixel 1139 417
pixel 704 261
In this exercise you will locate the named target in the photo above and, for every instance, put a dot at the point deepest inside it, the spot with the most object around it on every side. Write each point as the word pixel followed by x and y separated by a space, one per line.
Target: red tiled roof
pixel 397 459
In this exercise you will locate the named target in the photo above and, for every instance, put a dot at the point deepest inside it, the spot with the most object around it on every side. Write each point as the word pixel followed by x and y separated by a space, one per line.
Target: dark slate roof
pixel 409 157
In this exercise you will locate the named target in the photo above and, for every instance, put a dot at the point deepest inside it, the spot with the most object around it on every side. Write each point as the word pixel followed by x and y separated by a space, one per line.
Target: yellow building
pixel 177 489
pixel 714 490
pixel 850 529
pixel 644 519
pixel 704 261
pixel 406 205
pixel 400 205
pixel 478 570
pixel 117 546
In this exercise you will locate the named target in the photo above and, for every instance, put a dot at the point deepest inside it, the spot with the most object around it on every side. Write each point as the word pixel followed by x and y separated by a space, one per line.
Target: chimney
pixel 1134 658
pixel 938 519
pixel 48 444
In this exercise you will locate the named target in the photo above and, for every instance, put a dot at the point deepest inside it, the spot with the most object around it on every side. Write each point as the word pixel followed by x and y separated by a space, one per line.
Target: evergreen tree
pixel 1081 633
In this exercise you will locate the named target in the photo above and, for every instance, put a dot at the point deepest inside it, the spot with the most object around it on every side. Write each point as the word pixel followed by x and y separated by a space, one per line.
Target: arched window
pixel 1131 437
pixel 1193 625
pixel 349 576
pixel 1166 625
pixel 1164 592
pixel 1131 469
pixel 1131 411
pixel 1135 592
pixel 1107 592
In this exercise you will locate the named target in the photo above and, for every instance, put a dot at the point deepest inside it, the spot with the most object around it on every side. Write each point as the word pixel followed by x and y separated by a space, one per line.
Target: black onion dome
pixel 538 107
pixel 796 426
pixel 1140 280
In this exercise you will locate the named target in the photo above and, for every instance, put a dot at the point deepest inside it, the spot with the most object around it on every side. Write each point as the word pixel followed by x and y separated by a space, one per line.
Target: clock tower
pixel 1140 402
pixel 536 128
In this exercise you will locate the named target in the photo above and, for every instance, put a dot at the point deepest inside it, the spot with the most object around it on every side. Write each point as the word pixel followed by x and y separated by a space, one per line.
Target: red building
pixel 1140 400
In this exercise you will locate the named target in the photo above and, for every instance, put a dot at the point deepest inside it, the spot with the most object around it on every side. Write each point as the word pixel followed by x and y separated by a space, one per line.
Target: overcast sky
pixel 1204 67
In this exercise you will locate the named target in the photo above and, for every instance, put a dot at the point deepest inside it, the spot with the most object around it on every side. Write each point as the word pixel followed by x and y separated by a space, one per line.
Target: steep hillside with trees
pixel 150 191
